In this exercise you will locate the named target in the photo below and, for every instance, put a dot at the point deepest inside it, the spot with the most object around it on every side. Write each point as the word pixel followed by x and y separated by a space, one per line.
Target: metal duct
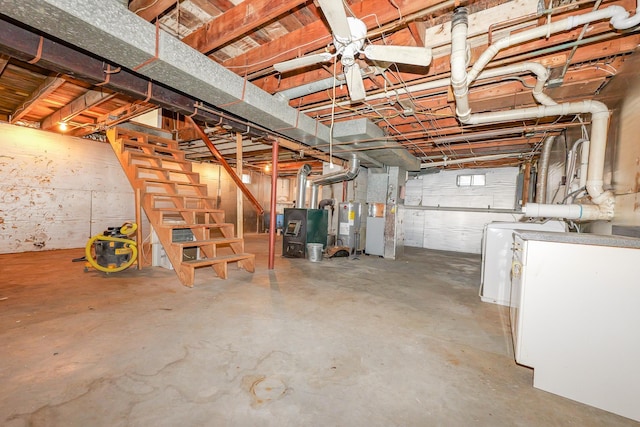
pixel 303 173
pixel 365 129
pixel 541 186
pixel 112 32
pixel 326 202
pixel 346 174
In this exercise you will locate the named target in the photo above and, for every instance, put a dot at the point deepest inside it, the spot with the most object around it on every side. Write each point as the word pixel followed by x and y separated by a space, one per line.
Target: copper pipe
pixel 272 214
pixel 232 173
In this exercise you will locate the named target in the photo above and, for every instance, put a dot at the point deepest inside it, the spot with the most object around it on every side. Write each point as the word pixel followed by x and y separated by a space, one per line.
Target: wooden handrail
pixel 232 173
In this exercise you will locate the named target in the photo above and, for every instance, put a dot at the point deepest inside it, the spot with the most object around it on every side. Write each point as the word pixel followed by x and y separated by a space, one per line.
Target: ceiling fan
pixel 349 36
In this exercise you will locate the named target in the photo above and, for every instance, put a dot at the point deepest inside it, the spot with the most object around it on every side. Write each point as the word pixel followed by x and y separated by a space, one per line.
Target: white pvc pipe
pixel 599 112
pixel 599 125
pixel 459 29
pixel 570 108
pixel 584 161
pixel 537 210
pixel 617 14
pixel 577 212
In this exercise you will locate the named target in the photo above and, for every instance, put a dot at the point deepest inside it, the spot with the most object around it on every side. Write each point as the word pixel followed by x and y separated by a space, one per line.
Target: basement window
pixel 246 178
pixel 476 180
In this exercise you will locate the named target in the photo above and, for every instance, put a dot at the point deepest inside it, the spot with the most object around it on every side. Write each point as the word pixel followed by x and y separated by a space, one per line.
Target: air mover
pixel 112 251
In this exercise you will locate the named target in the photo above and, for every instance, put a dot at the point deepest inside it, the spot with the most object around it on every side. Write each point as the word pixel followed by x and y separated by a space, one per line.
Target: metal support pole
pixel 139 240
pixel 239 204
pixel 272 208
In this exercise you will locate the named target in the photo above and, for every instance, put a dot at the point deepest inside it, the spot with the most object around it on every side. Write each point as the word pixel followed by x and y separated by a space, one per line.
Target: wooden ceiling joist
pixel 47 87
pixel 76 107
pixel 237 21
pixel 150 9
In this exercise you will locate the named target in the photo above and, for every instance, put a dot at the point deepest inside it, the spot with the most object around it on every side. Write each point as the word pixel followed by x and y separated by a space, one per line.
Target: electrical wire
pixel 333 112
pixel 143 8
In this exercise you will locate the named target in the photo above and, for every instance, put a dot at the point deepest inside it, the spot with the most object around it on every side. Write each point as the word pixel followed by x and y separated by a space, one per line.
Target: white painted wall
pixel 57 191
pixel 626 167
pixel 440 189
pixel 437 212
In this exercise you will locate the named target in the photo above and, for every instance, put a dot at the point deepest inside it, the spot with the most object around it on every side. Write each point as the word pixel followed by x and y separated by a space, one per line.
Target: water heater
pixel 349 215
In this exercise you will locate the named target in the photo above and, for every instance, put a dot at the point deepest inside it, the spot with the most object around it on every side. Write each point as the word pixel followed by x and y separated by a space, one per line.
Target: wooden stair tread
pixel 178 226
pixel 168 181
pixel 160 169
pixel 197 210
pixel 217 260
pixel 168 196
pixel 141 155
pixel 164 143
pixel 218 241
pixel 131 146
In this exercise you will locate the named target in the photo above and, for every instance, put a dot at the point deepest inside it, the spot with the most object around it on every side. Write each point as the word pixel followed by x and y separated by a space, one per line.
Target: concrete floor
pixel 362 342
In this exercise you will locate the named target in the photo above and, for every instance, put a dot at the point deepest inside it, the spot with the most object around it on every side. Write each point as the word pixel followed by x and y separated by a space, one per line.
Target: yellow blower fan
pixel 113 250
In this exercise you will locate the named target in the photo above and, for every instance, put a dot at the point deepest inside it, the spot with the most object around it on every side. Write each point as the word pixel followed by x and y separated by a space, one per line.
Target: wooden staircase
pixel 177 204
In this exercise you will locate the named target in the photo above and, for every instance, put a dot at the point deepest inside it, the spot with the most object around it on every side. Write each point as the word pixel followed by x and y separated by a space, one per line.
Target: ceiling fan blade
pixel 303 61
pixel 336 16
pixel 355 83
pixel 401 54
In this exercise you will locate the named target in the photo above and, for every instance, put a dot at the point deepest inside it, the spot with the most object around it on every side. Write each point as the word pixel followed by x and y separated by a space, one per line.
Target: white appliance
pixel 349 215
pixel 159 256
pixel 374 244
pixel 497 244
pixel 574 316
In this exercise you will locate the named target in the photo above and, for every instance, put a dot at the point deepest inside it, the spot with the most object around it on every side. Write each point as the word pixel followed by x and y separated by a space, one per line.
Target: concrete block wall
pixel 438 214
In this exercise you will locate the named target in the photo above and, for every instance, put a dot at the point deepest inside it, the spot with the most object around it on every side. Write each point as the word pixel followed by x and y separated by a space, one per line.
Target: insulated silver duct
pixel 541 186
pixel 331 178
pixel 303 173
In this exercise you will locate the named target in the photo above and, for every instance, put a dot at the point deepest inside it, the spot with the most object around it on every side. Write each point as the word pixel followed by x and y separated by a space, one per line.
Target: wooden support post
pixel 139 240
pixel 526 183
pixel 239 204
pixel 272 209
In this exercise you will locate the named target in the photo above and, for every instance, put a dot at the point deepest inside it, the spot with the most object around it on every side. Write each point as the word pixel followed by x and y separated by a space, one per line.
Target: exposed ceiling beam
pixel 47 87
pixel 241 19
pixel 76 107
pixel 114 117
pixel 4 60
pixel 150 9
pixel 23 44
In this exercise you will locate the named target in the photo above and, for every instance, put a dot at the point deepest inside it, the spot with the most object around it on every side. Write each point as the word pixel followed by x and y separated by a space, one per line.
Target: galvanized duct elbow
pixel 326 202
pixel 543 170
pixel 346 174
pixel 303 173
